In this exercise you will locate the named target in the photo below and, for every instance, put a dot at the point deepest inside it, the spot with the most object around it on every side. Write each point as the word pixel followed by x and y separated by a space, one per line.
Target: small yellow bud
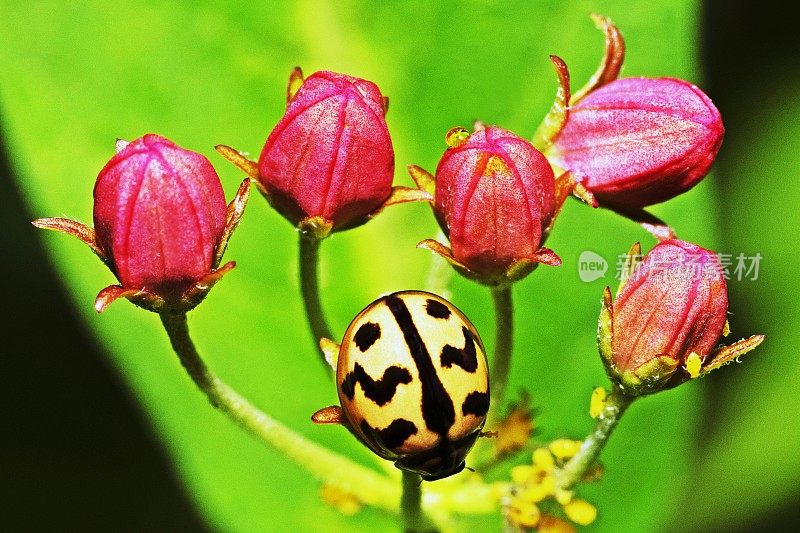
pixel 693 364
pixel 514 431
pixel 543 459
pixel 524 514
pixel 539 491
pixel 523 474
pixel 598 402
pixel 563 496
pixel 726 329
pixel 581 512
pixel 564 448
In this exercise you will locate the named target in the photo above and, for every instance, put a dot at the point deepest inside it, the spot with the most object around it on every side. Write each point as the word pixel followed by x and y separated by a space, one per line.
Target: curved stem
pixel 309 287
pixel 615 406
pixel 503 347
pixel 414 520
pixel 365 484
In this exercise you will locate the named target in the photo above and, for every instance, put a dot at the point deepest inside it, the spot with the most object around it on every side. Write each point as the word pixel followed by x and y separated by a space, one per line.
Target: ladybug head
pixel 441 461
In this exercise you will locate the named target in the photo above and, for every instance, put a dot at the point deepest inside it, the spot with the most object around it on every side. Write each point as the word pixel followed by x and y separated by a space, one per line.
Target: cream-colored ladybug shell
pixel 412 371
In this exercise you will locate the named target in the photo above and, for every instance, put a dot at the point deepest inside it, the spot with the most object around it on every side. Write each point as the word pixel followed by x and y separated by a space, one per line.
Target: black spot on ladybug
pixel 476 403
pixel 466 357
pixel 437 309
pixel 380 391
pixel 396 433
pixel 367 334
pixel 437 407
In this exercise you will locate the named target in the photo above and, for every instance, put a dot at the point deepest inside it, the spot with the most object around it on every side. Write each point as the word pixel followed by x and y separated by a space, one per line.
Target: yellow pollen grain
pixel 597 402
pixel 565 448
pixel 495 165
pixel 693 364
pixel 581 512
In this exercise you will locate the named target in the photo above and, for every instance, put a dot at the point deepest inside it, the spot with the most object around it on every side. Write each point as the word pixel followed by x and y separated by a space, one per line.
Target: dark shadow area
pixel 75 452
pixel 745 44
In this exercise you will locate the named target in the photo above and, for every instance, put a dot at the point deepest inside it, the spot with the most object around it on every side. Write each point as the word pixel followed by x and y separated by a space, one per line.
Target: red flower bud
pixel 161 225
pixel 639 141
pixel 495 198
pixel 330 156
pixel 159 214
pixel 674 304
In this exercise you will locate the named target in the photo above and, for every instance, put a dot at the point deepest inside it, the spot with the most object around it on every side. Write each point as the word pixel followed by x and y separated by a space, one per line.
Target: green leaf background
pixel 73 77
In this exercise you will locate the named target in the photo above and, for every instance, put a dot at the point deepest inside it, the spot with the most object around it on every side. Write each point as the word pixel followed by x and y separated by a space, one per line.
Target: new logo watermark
pixel 591 266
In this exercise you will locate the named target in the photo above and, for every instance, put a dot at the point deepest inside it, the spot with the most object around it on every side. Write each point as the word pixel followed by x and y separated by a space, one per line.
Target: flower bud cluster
pixel 162 225
pixel 534 486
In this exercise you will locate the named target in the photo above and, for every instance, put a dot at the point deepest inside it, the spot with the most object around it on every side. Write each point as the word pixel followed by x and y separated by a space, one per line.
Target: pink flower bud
pixel 495 198
pixel 159 215
pixel 673 304
pixel 640 141
pixel 330 156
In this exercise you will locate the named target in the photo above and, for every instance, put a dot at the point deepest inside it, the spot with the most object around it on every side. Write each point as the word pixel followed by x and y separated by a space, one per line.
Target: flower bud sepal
pixel 515 272
pixel 152 301
pixel 650 377
pixel 316 226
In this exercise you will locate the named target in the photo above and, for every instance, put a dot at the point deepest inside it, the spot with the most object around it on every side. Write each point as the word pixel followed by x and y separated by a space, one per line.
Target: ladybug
pixel 413 382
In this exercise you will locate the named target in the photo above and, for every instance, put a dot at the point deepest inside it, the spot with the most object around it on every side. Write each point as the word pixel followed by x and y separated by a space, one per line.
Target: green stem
pixel 483 455
pixel 365 484
pixel 503 347
pixel 571 473
pixel 414 520
pixel 309 287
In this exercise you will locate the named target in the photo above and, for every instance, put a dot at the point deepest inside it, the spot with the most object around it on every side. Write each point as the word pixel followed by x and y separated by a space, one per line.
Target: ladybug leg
pixel 329 415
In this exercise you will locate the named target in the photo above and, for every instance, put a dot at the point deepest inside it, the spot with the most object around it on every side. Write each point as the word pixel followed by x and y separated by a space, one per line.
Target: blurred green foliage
pixel 750 458
pixel 76 76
